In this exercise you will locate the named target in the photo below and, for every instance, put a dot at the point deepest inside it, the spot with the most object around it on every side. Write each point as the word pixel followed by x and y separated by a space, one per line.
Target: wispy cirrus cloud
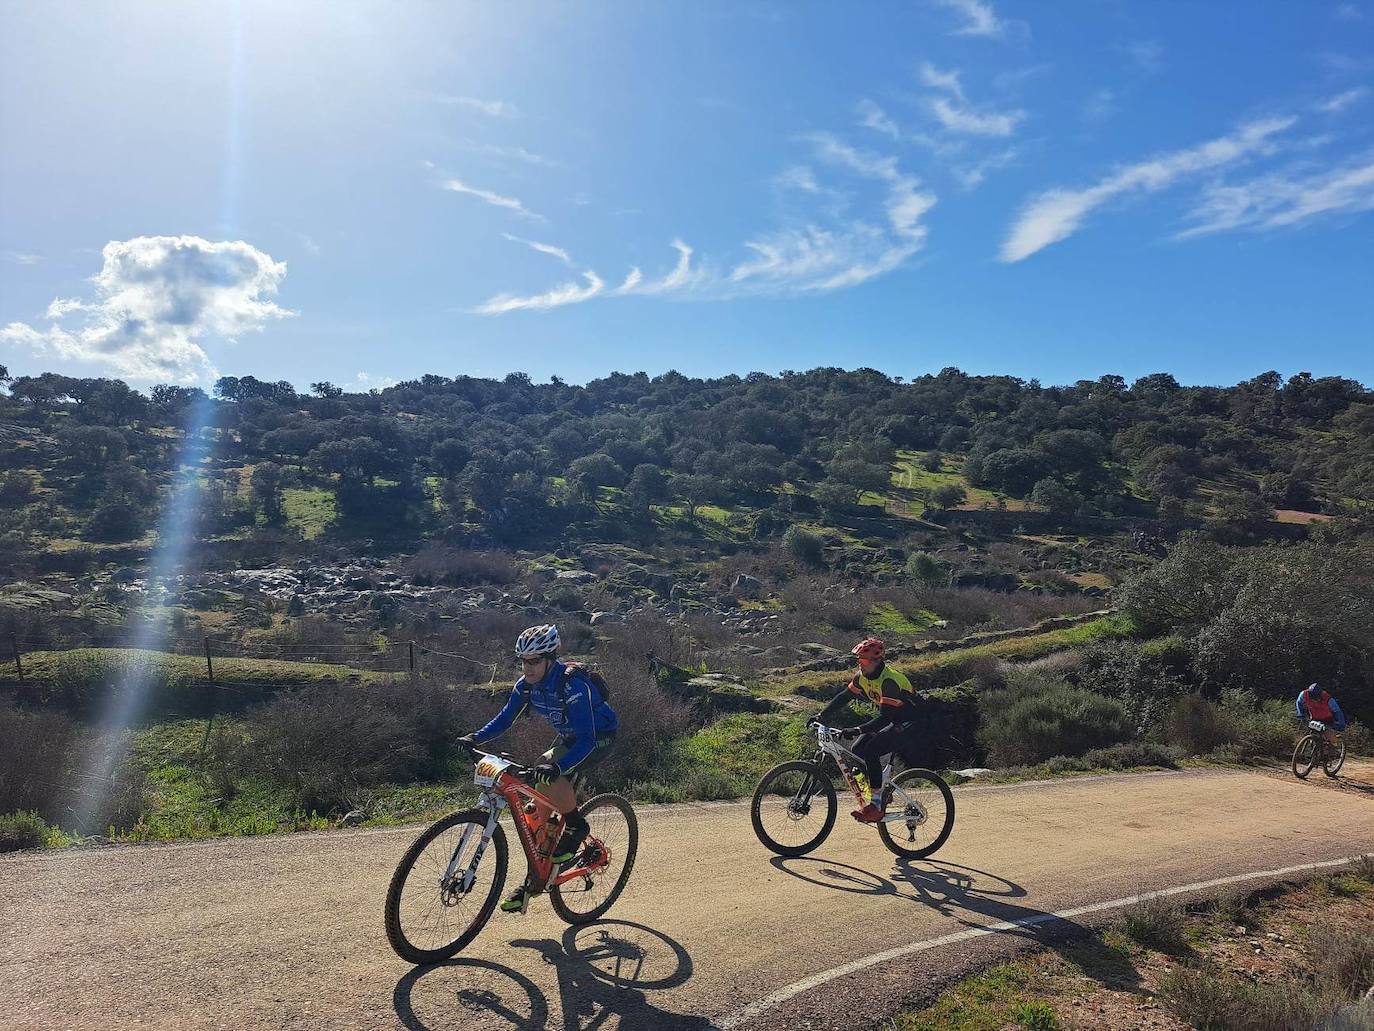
pixel 960 119
pixel 542 248
pixel 494 199
pixel 490 108
pixel 830 248
pixel 563 294
pixel 158 298
pixel 511 153
pixel 20 258
pixel 978 17
pixel 956 114
pixel 1283 200
pixel 1341 101
pixel 1056 214
pixel 871 116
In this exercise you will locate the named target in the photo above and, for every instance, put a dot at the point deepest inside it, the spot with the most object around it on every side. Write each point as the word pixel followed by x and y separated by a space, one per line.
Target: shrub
pixel 1131 754
pixel 1199 726
pixel 1212 1001
pixel 440 564
pixel 325 742
pixel 22 830
pixel 1035 718
pixel 803 545
pixel 1343 954
pixel 924 567
pixel 1156 923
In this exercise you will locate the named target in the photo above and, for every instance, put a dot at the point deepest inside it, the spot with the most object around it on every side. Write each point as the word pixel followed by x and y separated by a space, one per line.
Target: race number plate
pixel 488 769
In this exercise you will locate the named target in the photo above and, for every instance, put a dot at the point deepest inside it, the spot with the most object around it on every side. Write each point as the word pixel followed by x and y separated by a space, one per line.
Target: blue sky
pixel 366 193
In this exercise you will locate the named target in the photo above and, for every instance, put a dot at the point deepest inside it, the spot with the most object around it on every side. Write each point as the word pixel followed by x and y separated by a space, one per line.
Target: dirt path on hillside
pixel 285 931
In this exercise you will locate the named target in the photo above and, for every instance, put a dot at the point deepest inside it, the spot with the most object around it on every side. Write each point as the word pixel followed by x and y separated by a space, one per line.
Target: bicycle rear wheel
pixel 924 799
pixel 795 823
pixel 428 920
pixel 1305 756
pixel 1335 759
pixel 614 833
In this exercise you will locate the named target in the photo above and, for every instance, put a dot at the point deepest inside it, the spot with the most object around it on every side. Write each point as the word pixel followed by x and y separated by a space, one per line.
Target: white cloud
pixel 511 152
pixel 682 275
pixel 1146 54
pixel 937 79
pixel 1332 105
pixel 542 248
pixel 804 257
pixel 490 108
pixel 798 177
pixel 1100 105
pixel 960 119
pixel 1348 12
pixel 871 116
pixel 979 17
pixel 972 176
pixel 20 258
pixel 157 299
pixel 1281 200
pixel 566 293
pixel 494 199
pixel 369 381
pixel 1056 214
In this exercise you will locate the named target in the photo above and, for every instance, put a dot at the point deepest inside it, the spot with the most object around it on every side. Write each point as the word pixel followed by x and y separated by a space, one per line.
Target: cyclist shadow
pixel 959 892
pixel 604 972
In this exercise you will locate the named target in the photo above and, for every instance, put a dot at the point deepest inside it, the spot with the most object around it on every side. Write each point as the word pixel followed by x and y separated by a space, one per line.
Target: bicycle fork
pixel 470 874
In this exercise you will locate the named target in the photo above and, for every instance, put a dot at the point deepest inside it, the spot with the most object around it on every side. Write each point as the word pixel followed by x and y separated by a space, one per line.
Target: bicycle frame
pixel 829 745
pixel 531 813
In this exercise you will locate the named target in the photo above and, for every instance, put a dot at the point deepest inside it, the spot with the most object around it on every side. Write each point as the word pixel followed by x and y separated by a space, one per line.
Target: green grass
pixel 83 668
pixel 884 619
pixel 309 509
pixel 908 474
pixel 988 1001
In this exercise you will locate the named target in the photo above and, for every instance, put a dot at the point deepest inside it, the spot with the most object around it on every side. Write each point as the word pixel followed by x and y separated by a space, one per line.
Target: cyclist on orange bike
pixel 897 703
pixel 576 708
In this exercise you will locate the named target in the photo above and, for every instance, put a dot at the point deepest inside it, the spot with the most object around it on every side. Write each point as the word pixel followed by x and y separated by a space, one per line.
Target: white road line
pixel 768 1002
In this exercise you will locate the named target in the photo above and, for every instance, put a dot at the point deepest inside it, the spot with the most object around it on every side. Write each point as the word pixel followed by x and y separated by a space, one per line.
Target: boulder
pixel 606 618
pixel 576 576
pixel 746 586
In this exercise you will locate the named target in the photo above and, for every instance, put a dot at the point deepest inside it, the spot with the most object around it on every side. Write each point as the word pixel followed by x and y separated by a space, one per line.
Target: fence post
pixel 18 663
pixel 210 673
pixel 412 658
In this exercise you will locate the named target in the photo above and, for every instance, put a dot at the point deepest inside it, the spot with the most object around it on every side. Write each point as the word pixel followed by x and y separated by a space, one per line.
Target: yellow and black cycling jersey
pixel 890 691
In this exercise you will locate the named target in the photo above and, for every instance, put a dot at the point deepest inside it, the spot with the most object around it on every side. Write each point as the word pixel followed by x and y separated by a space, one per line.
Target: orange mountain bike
pixel 445 888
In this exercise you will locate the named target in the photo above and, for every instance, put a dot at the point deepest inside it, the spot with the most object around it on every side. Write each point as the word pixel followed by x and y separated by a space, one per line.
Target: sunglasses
pixel 533 662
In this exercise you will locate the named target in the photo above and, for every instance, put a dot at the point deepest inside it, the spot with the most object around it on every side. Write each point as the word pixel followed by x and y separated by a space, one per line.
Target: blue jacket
pixel 576 712
pixel 1337 720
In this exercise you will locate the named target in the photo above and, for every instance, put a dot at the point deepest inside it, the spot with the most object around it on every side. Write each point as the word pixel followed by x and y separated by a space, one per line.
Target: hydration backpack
pixel 603 690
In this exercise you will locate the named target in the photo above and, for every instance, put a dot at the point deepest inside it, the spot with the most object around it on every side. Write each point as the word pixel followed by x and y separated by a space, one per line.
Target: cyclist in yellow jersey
pixel 897 702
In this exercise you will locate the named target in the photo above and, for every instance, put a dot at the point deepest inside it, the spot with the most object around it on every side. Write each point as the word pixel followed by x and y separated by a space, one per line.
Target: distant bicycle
pixel 443 893
pixel 794 804
pixel 1314 748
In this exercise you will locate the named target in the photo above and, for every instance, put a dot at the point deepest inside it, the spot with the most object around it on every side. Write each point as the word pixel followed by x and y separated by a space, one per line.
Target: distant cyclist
pixel 586 726
pixel 1316 703
pixel 897 703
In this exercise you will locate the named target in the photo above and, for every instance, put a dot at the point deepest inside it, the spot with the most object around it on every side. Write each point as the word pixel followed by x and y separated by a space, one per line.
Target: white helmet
pixel 537 640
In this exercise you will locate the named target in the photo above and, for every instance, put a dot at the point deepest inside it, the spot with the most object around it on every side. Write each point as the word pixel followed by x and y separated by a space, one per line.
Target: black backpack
pixel 603 689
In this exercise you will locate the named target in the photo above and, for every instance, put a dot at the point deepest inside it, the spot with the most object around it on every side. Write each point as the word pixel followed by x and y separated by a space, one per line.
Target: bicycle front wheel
pixel 793 808
pixel 1335 759
pixel 926 806
pixel 1305 756
pixel 430 917
pixel 614 837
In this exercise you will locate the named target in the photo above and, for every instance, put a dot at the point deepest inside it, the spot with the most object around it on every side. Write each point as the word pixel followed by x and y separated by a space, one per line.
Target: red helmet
pixel 870 648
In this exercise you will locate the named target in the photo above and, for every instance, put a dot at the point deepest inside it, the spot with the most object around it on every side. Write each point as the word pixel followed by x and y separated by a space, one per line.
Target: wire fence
pixel 408 657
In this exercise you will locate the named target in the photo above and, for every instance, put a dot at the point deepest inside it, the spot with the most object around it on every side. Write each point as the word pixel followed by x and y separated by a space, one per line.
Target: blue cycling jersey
pixel 574 710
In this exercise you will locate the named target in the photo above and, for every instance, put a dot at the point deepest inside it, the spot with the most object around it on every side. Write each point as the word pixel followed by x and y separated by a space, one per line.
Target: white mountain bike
pixel 794 804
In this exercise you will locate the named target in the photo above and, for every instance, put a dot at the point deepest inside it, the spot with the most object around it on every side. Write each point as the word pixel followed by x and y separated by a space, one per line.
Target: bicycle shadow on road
pixel 958 892
pixel 604 971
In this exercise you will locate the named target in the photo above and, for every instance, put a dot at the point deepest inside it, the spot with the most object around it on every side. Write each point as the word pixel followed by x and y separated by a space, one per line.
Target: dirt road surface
pixel 286 931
